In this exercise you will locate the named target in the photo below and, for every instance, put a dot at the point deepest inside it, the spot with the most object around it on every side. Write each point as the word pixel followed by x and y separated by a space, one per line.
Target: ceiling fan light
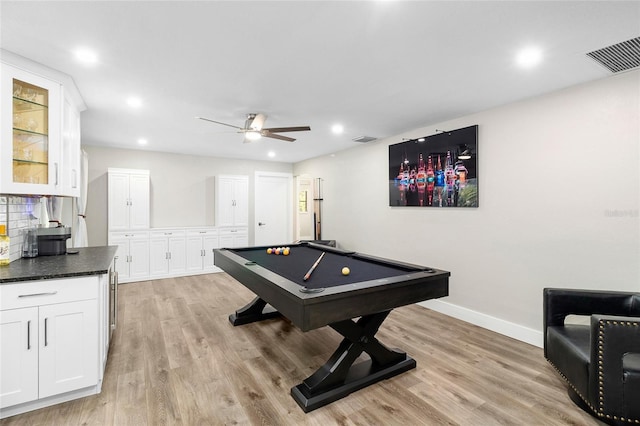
pixel 252 136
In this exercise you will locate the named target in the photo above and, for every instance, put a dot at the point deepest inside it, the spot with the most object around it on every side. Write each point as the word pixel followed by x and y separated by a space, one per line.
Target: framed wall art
pixel 436 171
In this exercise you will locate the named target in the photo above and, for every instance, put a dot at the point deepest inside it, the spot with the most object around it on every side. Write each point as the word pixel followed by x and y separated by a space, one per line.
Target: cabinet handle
pixel 50 293
pixel 169 255
pixel 75 178
pixel 46 337
pixel 166 255
pixel 28 335
pixel 56 169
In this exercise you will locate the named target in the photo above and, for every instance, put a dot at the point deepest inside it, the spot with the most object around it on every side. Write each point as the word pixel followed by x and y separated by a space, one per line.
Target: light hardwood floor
pixel 175 359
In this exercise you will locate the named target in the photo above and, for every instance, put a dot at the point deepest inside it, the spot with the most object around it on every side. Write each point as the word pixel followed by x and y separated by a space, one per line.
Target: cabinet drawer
pixel 233 231
pixel 167 233
pixel 128 234
pixel 201 232
pixel 36 293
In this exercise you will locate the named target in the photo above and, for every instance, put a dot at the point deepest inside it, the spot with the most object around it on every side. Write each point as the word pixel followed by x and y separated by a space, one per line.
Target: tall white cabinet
pixel 129 212
pixel 128 202
pixel 232 201
pixel 232 210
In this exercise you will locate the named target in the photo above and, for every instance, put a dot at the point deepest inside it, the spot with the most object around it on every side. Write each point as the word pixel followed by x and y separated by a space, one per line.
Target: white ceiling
pixel 379 68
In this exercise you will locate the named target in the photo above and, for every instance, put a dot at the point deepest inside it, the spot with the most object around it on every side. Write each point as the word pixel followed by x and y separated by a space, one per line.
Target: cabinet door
pixel 139 201
pixel 138 258
pixel 70 171
pixel 194 253
pixel 122 261
pixel 209 243
pixel 241 240
pixel 159 256
pixel 177 254
pixel 225 202
pixel 118 202
pixel 31 122
pixel 18 356
pixel 68 346
pixel 226 241
pixel 241 205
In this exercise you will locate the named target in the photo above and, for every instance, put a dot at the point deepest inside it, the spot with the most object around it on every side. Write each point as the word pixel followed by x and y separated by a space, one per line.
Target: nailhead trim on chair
pixel 600 411
pixel 601 369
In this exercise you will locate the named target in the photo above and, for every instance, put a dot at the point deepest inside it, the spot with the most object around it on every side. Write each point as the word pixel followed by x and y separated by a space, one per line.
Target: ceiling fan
pixel 253 129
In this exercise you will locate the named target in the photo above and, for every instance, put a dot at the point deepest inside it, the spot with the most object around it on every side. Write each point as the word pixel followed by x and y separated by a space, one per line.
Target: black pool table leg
pixel 338 377
pixel 252 312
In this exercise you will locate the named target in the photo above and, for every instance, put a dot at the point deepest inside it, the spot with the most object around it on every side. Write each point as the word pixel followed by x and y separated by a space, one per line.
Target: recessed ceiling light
pixel 134 102
pixel 142 141
pixel 271 154
pixel 86 56
pixel 337 129
pixel 529 57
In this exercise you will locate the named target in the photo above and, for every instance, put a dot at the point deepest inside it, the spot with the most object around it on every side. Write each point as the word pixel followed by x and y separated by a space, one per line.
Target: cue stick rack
pixel 317 210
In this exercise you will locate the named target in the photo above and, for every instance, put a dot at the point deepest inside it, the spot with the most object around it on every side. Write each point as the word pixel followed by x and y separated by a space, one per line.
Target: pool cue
pixel 308 274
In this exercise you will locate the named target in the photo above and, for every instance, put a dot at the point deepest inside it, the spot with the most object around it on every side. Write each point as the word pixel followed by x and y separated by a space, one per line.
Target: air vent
pixel 364 139
pixel 619 57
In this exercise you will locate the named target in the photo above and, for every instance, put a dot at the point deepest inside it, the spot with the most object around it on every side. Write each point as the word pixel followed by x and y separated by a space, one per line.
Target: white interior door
pixel 273 208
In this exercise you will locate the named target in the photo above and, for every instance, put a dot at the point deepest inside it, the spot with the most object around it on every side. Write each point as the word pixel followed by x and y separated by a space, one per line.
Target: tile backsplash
pixel 18 213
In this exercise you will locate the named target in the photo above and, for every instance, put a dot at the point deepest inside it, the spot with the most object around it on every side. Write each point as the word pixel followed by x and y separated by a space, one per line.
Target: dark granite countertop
pixel 88 261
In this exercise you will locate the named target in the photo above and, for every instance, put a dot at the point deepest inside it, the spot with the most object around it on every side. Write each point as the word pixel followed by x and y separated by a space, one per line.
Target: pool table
pixel 354 305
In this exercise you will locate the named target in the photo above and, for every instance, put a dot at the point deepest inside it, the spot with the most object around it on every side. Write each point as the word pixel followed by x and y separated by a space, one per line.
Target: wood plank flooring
pixel 176 360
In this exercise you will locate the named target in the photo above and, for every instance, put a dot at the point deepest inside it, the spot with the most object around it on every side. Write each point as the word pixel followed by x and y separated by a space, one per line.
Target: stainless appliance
pixel 53 241
pixel 113 298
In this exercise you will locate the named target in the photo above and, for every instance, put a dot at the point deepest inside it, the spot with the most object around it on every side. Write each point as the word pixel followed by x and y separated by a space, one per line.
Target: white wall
pixel 182 186
pixel 559 187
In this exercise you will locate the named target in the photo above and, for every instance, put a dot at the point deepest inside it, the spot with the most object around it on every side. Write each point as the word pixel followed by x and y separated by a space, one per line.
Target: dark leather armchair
pixel 601 360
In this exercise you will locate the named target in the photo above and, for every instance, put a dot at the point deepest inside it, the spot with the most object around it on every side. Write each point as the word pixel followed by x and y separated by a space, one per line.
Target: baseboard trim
pixel 510 329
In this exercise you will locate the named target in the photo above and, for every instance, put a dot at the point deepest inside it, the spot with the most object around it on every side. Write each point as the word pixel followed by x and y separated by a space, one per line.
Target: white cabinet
pixel 167 252
pixel 31 133
pixel 50 339
pixel 40 136
pixel 128 199
pixel 234 237
pixel 68 342
pixel 232 200
pixel 18 356
pixel 171 252
pixel 70 170
pixel 200 245
pixel 132 261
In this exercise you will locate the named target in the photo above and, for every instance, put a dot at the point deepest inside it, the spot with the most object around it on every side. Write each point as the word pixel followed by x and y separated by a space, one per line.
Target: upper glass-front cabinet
pixel 31 133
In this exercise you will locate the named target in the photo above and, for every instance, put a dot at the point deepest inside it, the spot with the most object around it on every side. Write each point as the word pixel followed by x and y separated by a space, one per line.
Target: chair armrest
pixel 611 338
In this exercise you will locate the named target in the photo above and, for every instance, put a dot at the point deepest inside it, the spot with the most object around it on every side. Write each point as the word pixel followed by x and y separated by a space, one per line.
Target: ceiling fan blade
pixel 258 122
pixel 288 129
pixel 218 122
pixel 268 134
